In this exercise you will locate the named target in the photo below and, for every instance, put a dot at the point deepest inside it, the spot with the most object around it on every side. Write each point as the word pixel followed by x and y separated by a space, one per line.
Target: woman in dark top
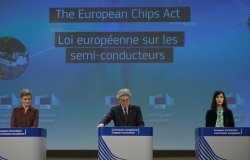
pixel 219 115
pixel 25 115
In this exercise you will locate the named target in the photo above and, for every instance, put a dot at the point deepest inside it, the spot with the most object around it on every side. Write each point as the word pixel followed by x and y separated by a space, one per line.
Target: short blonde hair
pixel 25 92
pixel 123 92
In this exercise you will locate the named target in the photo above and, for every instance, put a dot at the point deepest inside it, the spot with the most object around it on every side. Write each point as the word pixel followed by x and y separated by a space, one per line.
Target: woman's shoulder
pixel 228 110
pixel 33 108
pixel 211 111
pixel 17 108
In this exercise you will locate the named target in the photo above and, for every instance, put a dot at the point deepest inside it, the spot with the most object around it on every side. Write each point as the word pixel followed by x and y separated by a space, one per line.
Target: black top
pixel 21 119
pixel 211 117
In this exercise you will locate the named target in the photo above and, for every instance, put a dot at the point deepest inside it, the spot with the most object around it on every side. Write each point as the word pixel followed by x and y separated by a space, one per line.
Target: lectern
pixel 125 143
pixel 222 143
pixel 23 144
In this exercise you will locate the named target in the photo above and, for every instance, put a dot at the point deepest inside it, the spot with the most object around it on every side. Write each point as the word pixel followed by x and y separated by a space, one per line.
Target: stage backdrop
pixel 76 55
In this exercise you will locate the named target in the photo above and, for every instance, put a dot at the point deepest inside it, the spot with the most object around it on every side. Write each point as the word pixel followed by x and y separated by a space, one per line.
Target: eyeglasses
pixel 124 100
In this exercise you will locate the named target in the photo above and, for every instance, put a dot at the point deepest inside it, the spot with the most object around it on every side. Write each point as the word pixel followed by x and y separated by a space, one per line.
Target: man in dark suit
pixel 123 114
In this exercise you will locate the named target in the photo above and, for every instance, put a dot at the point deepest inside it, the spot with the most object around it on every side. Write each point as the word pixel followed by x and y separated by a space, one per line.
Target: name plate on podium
pixel 23 144
pixel 222 143
pixel 125 143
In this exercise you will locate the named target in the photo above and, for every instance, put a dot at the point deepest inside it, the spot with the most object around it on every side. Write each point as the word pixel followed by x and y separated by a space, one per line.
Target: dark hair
pixel 25 92
pixel 214 104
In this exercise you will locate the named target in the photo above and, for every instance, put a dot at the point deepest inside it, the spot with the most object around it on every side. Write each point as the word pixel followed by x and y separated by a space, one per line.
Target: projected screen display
pixel 173 55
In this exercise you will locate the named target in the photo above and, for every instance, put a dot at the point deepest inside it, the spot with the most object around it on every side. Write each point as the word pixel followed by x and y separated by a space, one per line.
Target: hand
pixel 100 125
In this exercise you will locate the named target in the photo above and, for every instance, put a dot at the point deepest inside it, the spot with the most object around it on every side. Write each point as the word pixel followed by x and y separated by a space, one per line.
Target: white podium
pixel 23 144
pixel 222 143
pixel 125 143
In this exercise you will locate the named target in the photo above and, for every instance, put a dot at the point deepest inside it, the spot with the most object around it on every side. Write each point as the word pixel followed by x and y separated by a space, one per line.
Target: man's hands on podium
pixel 100 125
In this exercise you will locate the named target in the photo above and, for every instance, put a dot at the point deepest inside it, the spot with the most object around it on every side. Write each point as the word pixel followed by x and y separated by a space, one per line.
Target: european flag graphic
pixel 161 102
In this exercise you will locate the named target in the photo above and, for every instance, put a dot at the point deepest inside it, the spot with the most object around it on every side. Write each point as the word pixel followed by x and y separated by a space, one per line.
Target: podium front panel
pixel 222 143
pixel 23 144
pixel 125 143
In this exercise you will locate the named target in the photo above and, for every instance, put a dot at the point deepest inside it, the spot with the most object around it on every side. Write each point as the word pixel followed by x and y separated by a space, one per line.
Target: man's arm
pixel 140 121
pixel 106 119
